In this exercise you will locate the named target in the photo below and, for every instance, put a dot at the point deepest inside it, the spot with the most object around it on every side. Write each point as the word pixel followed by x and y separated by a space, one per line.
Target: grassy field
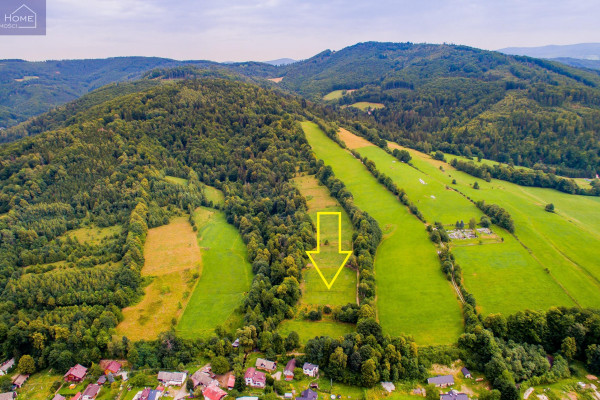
pixel 212 194
pixel 309 329
pixel 343 290
pixel 365 105
pixel 553 261
pixel 337 94
pixel 93 234
pixel 226 276
pixel 38 386
pixel 413 297
pixel 172 260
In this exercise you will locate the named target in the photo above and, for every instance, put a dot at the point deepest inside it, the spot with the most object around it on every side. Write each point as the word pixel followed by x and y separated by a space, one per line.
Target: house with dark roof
pixel 454 395
pixel 441 380
pixel 76 373
pixel 90 392
pixel 214 393
pixel 311 370
pixel 308 395
pixel 288 372
pixel 255 378
pixel 266 365
pixel 466 373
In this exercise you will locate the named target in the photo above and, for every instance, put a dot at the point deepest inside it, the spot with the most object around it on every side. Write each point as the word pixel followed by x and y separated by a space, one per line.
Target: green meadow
pixel 226 276
pixel 329 260
pixel 552 260
pixel 310 329
pixel 413 297
pixel 365 105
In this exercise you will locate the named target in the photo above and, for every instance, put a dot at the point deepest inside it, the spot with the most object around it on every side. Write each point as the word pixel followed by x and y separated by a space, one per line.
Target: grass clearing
pixel 38 386
pixel 343 290
pixel 337 94
pixel 212 193
pixel 226 276
pixel 93 234
pixel 309 329
pixel 172 257
pixel 565 243
pixel 366 106
pixel 413 297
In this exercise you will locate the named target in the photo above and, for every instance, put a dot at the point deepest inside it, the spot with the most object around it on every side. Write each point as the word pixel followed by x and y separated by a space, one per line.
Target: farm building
pixel 76 373
pixel 19 380
pixel 58 397
pixel 466 373
pixel 311 370
pixel 453 395
pixel 6 365
pixel 172 378
pixel 308 395
pixel 255 378
pixel 90 392
pixel 441 381
pixel 266 365
pixel 202 378
pixel 214 393
pixel 8 396
pixel 288 372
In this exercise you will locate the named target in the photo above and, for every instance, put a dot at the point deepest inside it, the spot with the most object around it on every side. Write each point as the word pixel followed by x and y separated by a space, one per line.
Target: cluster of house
pixel 211 387
pixel 258 379
pixel 443 381
pixel 77 374
pixel 17 381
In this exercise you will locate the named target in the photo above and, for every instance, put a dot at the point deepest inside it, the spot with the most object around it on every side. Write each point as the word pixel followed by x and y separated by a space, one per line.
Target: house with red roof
pixel 113 367
pixel 214 392
pixel 77 396
pixel 288 372
pixel 231 382
pixel 76 373
pixel 255 378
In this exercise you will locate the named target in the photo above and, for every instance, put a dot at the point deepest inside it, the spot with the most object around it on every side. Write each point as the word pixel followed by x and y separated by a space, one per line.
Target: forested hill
pixel 62 298
pixel 31 88
pixel 466 101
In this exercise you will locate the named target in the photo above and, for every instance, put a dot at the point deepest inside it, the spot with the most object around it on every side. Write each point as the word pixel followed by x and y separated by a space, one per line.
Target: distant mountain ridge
pixel 584 51
pixel 281 61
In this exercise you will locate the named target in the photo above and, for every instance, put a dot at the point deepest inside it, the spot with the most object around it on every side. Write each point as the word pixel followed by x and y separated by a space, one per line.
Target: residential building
pixel 255 378
pixel 466 373
pixel 288 372
pixel 76 373
pixel 172 378
pixel 311 370
pixel 214 393
pixel 454 395
pixel 441 380
pixel 308 395
pixel 6 365
pixel 266 365
pixel 90 392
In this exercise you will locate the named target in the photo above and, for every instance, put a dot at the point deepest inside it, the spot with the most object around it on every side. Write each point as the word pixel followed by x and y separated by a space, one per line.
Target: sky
pixel 261 30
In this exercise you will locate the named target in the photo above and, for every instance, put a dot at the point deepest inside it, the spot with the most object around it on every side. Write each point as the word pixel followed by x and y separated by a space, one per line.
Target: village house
pixel 77 396
pixel 266 365
pixel 19 380
pixel 214 393
pixel 8 396
pixel 6 365
pixel 441 380
pixel 110 366
pixel 311 370
pixel 231 382
pixel 454 395
pixel 76 373
pixel 308 395
pixel 59 397
pixel 172 378
pixel 90 392
pixel 203 378
pixel 466 373
pixel 255 378
pixel 288 372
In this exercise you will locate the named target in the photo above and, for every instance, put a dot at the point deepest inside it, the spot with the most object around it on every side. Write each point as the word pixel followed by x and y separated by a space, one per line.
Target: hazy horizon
pixel 263 30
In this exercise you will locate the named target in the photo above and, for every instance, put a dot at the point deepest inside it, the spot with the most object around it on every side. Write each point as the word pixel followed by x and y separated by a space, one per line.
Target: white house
pixel 311 370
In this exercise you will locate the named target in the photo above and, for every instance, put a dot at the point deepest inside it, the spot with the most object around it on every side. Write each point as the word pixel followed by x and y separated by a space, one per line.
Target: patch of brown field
pixel 317 196
pixel 467 390
pixel 171 247
pixel 353 141
pixel 172 256
pixel 572 396
pixel 439 369
pixel 276 80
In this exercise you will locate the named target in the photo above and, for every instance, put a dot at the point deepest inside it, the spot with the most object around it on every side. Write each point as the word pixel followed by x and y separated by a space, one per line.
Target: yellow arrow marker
pixel 340 251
